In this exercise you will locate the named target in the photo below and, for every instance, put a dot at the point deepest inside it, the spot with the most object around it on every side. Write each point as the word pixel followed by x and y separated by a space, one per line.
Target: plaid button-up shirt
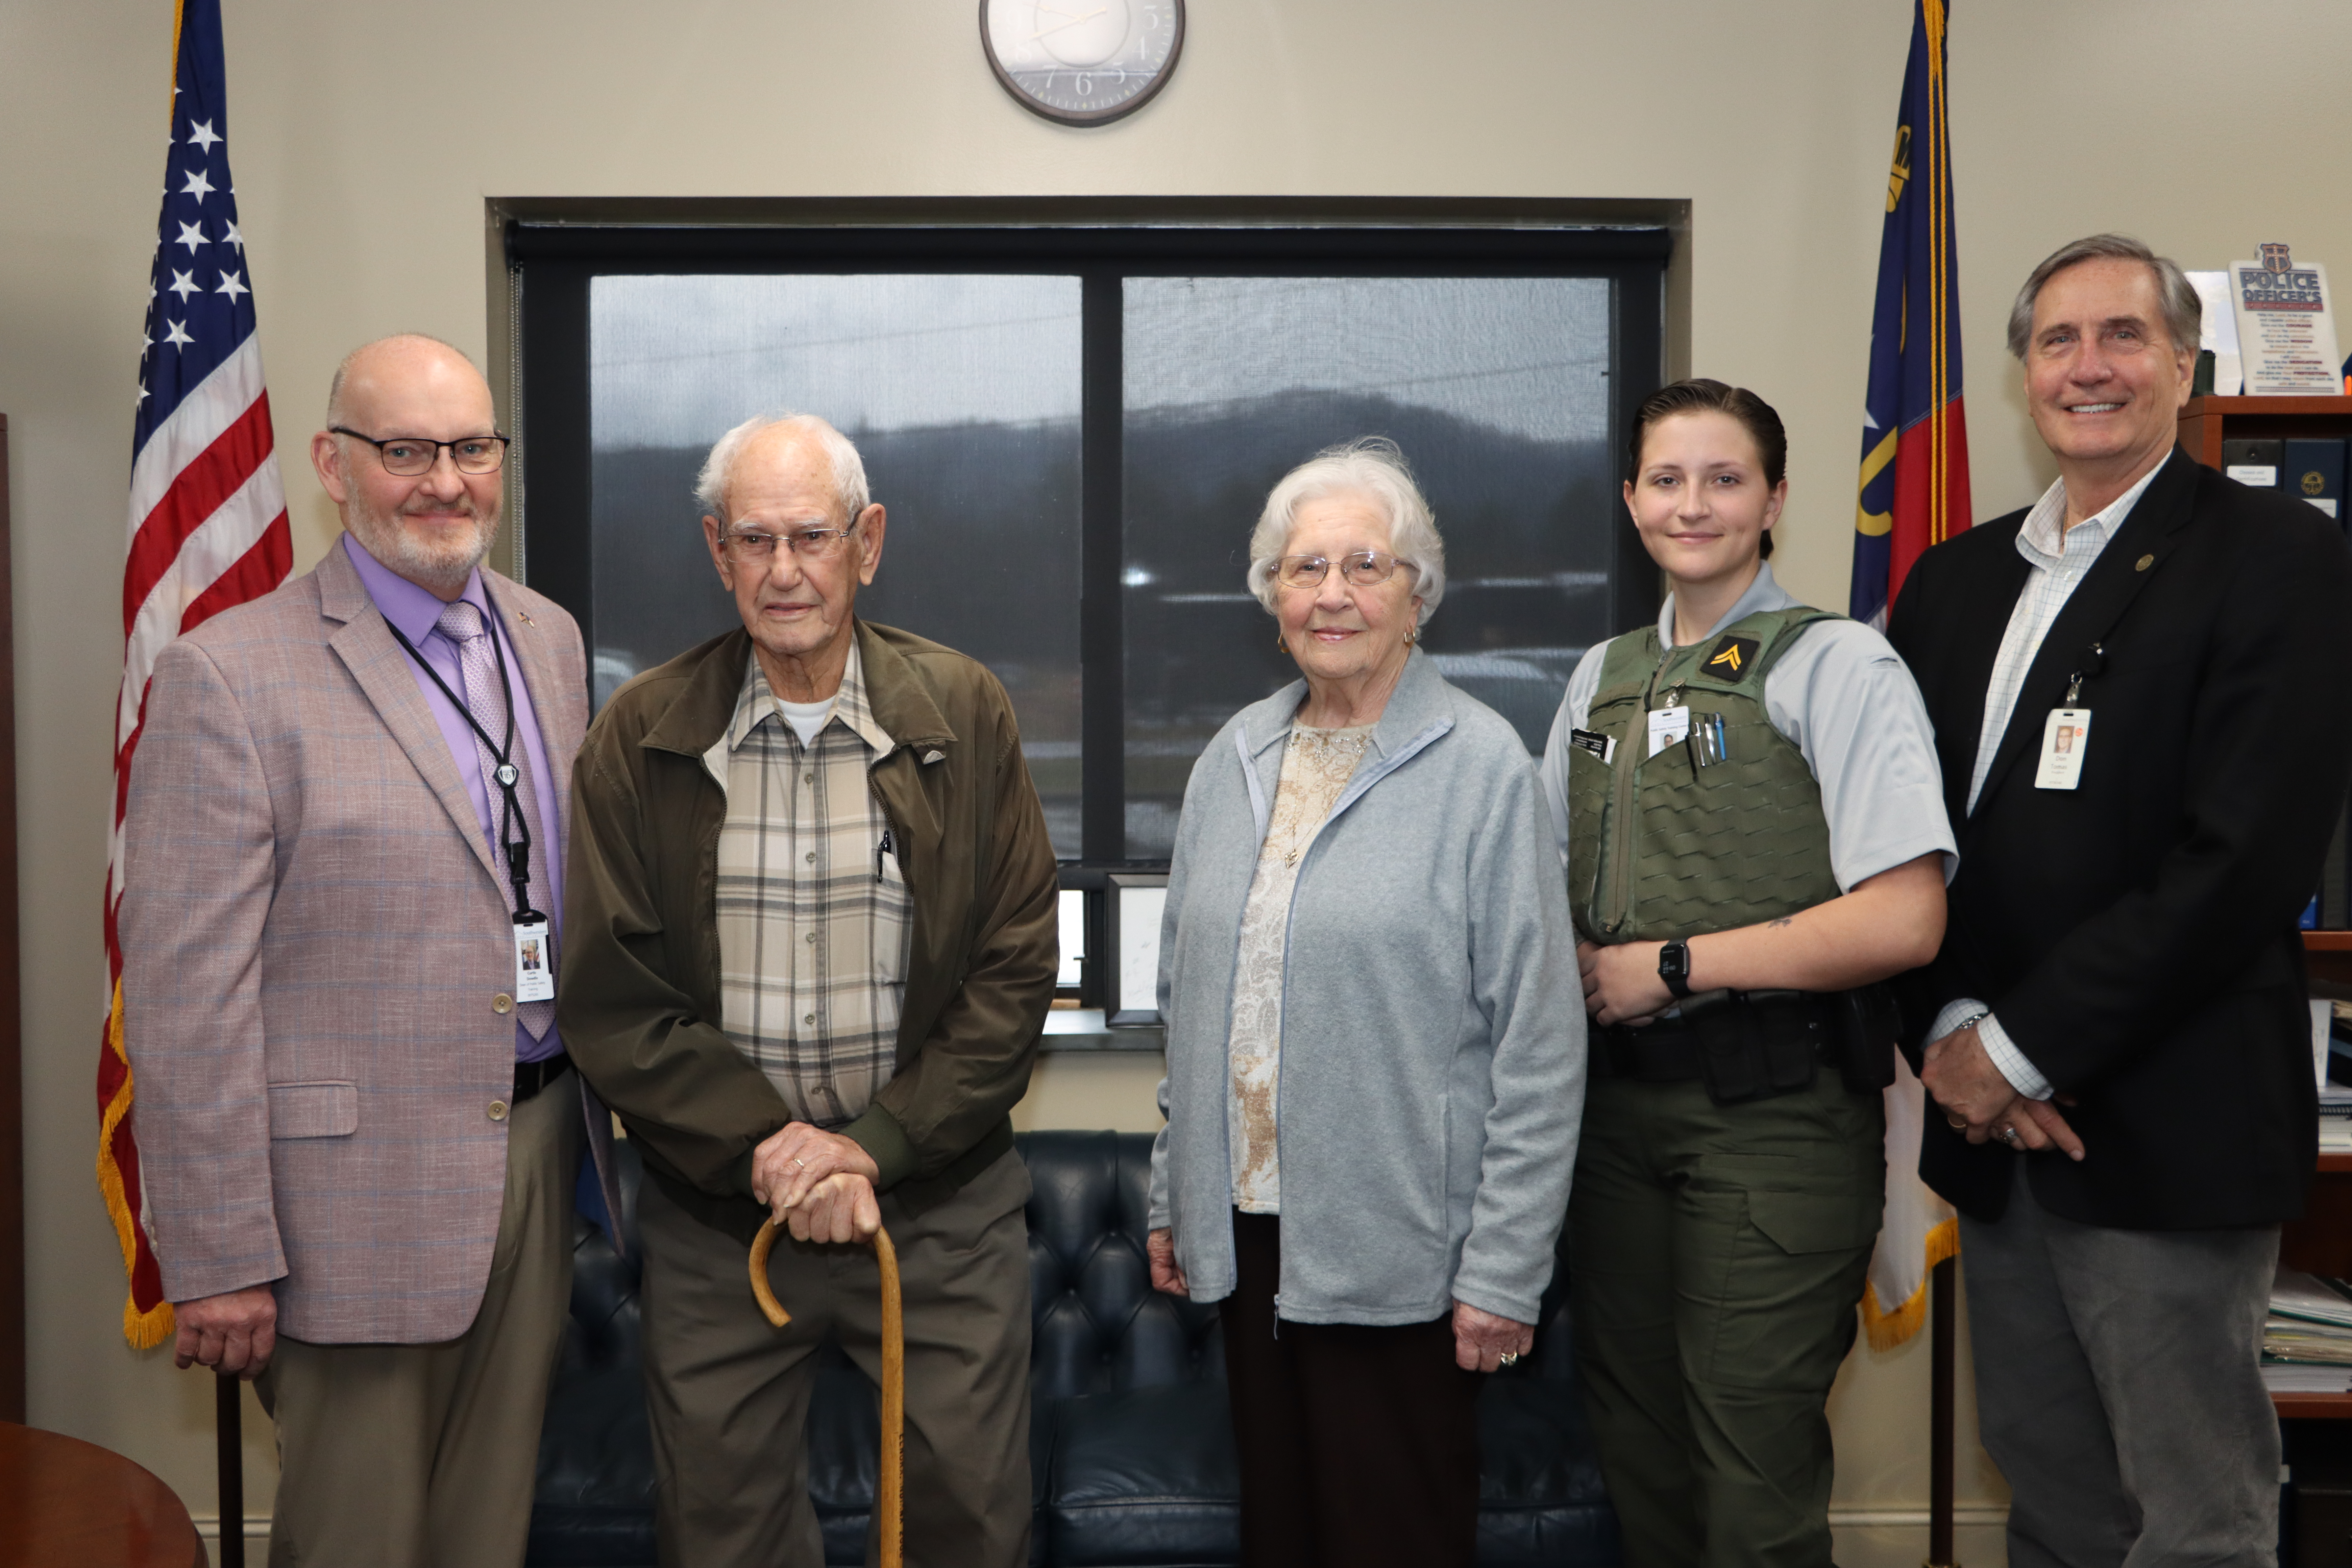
pixel 812 907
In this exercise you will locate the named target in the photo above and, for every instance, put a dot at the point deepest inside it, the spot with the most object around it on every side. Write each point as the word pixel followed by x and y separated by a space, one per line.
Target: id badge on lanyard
pixel 2067 733
pixel 2066 741
pixel 534 958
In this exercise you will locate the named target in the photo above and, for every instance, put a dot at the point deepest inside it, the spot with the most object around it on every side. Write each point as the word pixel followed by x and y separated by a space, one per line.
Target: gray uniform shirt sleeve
pixel 1843 696
pixel 1574 710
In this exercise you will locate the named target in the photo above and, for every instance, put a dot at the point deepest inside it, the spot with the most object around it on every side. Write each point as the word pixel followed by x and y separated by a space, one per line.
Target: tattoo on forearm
pixel 1783 920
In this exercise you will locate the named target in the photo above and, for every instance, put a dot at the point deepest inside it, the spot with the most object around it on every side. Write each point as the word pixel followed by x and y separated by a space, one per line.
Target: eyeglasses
pixel 1365 569
pixel 409 455
pixel 753 544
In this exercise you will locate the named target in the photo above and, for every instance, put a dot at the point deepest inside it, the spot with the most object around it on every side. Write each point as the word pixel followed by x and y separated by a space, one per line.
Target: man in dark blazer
pixel 2115 1030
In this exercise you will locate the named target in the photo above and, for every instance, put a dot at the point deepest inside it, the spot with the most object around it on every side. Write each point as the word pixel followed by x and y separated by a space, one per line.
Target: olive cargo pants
pixel 1717 1254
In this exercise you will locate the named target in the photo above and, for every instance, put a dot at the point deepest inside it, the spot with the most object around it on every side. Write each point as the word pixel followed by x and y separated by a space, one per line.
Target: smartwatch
pixel 1674 966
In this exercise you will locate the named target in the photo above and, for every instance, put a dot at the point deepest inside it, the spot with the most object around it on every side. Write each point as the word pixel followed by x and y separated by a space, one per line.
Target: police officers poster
pixel 2285 331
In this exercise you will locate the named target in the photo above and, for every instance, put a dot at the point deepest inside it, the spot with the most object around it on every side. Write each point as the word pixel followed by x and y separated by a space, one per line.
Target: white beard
pixel 442 568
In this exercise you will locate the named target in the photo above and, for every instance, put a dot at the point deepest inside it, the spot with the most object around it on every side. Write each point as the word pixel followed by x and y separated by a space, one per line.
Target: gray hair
pixel 849 488
pixel 1372 468
pixel 2184 313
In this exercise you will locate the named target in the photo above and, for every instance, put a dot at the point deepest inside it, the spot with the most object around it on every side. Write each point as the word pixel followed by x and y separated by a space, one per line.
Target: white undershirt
pixel 807 719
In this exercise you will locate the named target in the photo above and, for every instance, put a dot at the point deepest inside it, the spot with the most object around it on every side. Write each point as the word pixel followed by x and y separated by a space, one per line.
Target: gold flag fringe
pixel 1888 1330
pixel 144 1330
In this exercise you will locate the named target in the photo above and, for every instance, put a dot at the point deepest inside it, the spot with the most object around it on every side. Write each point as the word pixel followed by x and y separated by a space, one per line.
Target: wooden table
pixel 65 1503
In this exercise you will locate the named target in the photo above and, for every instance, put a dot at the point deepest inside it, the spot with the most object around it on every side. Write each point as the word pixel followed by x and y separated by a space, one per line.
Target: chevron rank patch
pixel 1732 657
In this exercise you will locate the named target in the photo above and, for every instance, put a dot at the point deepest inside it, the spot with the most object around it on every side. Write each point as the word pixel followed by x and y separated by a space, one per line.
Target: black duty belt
pixel 532 1076
pixel 1791 1027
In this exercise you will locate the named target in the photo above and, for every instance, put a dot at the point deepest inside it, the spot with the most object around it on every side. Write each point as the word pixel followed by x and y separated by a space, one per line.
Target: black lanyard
pixel 506 776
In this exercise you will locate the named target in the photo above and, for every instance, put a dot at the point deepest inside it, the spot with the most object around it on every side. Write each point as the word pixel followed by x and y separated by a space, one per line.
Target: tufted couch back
pixel 1097 1325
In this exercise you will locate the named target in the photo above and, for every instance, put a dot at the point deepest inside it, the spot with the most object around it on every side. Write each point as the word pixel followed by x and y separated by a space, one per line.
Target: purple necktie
pixel 485 698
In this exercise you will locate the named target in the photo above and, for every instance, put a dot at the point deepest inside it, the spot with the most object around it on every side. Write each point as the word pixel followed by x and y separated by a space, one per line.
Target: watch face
pixel 1081 62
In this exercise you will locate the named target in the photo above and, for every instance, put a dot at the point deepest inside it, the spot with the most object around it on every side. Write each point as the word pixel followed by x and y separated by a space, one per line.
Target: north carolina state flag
pixel 1914 493
pixel 1914 443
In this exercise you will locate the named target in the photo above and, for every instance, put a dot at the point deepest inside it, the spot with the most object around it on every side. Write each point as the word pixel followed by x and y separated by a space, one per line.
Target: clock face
pixel 1081 62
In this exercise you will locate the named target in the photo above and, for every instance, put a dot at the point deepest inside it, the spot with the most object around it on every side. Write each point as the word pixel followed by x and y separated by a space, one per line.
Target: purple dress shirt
pixel 418 612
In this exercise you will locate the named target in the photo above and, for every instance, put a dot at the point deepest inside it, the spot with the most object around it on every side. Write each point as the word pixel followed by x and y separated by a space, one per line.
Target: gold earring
pixel 1412 636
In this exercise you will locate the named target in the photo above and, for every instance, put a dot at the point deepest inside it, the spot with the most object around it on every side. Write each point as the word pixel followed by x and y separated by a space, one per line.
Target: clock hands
pixel 1072 22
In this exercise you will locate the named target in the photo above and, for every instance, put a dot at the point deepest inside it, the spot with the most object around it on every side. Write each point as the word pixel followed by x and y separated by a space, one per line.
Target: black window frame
pixel 551 261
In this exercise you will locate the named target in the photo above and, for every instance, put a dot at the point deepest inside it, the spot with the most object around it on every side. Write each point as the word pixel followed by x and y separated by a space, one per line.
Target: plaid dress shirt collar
pixel 757 700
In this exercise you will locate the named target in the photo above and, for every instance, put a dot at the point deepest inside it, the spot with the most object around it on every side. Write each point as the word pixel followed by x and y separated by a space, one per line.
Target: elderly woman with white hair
pixel 1375 1044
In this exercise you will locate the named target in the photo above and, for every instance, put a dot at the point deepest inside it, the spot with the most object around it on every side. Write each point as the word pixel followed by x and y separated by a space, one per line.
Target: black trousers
pixel 1358 1445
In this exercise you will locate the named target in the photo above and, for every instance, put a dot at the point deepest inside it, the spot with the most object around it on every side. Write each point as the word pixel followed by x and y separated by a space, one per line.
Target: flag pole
pixel 1945 1332
pixel 229 1419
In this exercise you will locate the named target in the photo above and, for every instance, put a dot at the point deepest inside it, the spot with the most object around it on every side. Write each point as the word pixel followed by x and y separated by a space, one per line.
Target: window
pixel 961 392
pixel 1073 428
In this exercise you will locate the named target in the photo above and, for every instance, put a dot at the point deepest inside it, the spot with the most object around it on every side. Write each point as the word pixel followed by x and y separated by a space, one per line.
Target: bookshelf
pixel 2206 421
pixel 2321 1241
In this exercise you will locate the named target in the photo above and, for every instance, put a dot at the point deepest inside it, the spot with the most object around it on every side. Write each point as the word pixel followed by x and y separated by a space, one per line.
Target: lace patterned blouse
pixel 1316 767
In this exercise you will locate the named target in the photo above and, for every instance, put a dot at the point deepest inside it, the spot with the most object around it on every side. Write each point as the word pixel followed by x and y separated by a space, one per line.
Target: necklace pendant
pixel 1291 859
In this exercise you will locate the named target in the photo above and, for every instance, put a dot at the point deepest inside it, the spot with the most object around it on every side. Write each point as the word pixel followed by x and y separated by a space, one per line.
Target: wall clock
pixel 1081 62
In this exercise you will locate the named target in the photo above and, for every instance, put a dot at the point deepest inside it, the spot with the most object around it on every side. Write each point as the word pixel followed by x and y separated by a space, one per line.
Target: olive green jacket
pixel 639 1000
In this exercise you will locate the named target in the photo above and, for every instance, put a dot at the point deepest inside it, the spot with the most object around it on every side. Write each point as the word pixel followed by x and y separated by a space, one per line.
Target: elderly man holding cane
pixel 811 943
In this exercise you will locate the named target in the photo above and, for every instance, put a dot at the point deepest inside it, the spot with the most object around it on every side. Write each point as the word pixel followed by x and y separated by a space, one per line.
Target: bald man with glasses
pixel 359 1127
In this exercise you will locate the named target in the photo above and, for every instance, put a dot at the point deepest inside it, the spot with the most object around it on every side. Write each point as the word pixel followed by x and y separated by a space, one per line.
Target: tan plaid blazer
pixel 313 936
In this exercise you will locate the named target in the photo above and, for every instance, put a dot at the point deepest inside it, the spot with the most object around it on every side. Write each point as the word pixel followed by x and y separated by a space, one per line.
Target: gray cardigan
pixel 1432 1041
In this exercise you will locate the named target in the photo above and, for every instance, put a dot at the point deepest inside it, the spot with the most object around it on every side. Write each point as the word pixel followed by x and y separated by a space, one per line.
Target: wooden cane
pixel 891 1502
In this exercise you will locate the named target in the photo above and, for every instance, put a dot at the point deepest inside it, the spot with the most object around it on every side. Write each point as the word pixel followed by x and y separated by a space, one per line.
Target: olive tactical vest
pixel 1661 847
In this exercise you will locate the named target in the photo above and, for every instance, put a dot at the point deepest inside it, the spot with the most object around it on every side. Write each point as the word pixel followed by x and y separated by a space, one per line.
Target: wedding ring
pixel 1959 1123
pixel 2007 1134
pixel 1507 1357
pixel 802 1164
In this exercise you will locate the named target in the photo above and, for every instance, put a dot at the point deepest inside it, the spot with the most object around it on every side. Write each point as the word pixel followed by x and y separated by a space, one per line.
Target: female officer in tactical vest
pixel 1753 822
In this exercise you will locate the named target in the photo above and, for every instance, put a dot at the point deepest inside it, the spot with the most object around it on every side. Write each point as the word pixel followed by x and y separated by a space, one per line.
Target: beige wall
pixel 366 143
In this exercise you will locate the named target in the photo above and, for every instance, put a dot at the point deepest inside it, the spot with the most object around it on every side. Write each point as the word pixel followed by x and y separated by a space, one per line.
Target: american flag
pixel 207 524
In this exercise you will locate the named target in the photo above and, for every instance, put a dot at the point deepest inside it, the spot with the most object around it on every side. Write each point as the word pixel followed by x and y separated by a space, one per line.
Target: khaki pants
pixel 1717 1254
pixel 729 1395
pixel 424 1455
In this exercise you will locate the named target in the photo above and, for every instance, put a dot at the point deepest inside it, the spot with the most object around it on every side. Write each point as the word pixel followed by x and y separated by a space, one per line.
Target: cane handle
pixel 761 1244
pixel 890 1502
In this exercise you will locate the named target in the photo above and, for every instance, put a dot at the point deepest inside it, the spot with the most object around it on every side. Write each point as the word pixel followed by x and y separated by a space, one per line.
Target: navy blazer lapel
pixel 1976 648
pixel 368 650
pixel 2097 603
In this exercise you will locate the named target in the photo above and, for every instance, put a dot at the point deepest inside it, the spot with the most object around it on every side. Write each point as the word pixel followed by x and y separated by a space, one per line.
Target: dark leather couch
pixel 1130 1447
